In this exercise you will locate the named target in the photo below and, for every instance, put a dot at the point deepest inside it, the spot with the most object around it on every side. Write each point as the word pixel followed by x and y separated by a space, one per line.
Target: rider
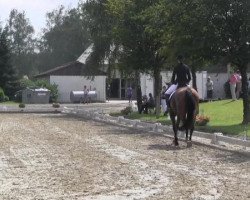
pixel 180 78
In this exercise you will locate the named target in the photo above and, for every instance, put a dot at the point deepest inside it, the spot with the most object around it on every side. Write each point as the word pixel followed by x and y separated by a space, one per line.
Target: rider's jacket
pixel 181 75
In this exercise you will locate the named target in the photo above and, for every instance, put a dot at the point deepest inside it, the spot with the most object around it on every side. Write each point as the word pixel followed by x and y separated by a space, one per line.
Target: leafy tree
pixel 207 31
pixel 7 71
pixel 100 24
pixel 229 30
pixel 136 33
pixel 64 39
pixel 20 35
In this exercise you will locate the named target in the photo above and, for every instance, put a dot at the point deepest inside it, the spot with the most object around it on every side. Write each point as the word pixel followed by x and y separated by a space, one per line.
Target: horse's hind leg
pixel 191 133
pixel 186 134
pixel 189 142
pixel 176 133
pixel 175 129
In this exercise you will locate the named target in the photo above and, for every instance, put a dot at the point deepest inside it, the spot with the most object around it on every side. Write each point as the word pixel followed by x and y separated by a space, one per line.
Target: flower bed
pixel 202 120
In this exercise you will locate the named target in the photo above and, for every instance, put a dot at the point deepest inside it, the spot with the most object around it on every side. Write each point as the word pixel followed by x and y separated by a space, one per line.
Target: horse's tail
pixel 190 108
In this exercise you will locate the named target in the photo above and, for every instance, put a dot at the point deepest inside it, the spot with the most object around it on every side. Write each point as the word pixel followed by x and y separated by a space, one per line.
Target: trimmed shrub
pixel 126 111
pixel 21 105
pixel 56 105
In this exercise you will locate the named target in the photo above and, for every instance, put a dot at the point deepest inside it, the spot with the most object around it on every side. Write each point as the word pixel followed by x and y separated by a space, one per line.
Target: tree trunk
pixel 193 71
pixel 246 97
pixel 138 90
pixel 157 90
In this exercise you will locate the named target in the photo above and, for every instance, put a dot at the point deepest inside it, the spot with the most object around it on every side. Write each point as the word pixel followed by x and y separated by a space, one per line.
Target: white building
pixel 74 75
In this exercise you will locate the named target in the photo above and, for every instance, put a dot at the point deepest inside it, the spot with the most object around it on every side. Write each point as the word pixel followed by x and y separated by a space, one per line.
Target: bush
pixel 1 95
pixel 6 98
pixel 56 105
pixel 127 110
pixel 202 120
pixel 21 105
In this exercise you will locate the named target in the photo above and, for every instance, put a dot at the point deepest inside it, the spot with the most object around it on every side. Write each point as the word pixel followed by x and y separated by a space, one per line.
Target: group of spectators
pixel 235 83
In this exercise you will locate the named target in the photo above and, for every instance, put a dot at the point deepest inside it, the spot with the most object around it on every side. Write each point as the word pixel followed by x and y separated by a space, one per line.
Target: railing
pixel 214 138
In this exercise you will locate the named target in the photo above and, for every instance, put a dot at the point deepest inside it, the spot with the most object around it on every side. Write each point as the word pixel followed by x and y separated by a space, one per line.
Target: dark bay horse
pixel 184 106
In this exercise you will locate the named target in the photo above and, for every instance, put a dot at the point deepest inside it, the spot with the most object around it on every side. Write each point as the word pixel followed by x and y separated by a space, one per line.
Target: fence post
pixel 215 138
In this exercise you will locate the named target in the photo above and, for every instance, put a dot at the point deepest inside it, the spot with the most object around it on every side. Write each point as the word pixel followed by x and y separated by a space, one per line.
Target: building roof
pixel 74 68
pixel 83 58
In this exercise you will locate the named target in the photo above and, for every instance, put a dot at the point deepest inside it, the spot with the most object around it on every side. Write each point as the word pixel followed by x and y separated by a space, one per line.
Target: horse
pixel 184 104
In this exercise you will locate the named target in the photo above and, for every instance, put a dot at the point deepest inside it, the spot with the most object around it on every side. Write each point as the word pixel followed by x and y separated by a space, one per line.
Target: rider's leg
pixel 168 93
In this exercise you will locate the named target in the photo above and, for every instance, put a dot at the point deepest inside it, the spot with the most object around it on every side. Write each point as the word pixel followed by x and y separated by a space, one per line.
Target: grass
pixel 225 116
pixel 9 103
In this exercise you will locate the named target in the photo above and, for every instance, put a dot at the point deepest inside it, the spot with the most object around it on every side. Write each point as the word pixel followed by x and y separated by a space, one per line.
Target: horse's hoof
pixel 189 144
pixel 175 143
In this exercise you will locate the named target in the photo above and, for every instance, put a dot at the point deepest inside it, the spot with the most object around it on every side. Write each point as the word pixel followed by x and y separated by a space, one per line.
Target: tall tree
pixel 20 34
pixel 207 31
pixel 7 71
pixel 64 39
pixel 229 28
pixel 140 45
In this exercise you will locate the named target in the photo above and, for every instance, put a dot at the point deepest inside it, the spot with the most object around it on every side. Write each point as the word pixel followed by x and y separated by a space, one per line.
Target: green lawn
pixel 9 103
pixel 225 116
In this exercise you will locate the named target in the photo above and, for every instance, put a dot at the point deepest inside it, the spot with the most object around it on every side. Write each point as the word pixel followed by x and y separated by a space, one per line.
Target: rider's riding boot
pixel 167 96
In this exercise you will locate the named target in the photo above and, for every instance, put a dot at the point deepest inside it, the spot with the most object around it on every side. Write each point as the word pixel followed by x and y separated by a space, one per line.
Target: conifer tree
pixel 7 72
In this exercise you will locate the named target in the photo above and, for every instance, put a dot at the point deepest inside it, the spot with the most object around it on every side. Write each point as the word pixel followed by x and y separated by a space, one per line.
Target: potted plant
pixel 202 120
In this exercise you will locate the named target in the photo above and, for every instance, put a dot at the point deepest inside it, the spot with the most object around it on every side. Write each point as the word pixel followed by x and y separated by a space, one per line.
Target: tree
pixel 64 39
pixel 139 46
pixel 207 31
pixel 7 71
pixel 20 35
pixel 230 24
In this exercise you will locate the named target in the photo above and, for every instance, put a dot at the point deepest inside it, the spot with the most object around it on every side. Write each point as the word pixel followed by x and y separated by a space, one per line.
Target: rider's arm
pixel 189 75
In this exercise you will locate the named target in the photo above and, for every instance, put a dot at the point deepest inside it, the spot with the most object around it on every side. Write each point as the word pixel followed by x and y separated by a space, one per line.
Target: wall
pixel 147 84
pixel 66 84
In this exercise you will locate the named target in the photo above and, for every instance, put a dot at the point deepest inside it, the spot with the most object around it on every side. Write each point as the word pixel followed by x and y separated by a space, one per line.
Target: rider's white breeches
pixel 171 89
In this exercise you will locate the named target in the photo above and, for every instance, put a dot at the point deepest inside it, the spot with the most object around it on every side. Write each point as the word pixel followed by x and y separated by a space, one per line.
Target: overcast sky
pixel 35 9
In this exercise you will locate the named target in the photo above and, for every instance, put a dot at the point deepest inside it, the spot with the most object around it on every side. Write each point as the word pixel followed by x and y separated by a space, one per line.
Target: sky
pixel 35 10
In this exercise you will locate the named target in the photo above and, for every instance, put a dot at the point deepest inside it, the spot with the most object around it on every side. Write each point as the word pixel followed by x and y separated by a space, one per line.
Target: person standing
pixel 238 84
pixel 85 94
pixel 210 88
pixel 108 92
pixel 129 93
pixel 232 81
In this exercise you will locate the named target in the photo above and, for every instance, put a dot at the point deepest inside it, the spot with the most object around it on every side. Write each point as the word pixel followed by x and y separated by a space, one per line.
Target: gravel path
pixel 49 156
